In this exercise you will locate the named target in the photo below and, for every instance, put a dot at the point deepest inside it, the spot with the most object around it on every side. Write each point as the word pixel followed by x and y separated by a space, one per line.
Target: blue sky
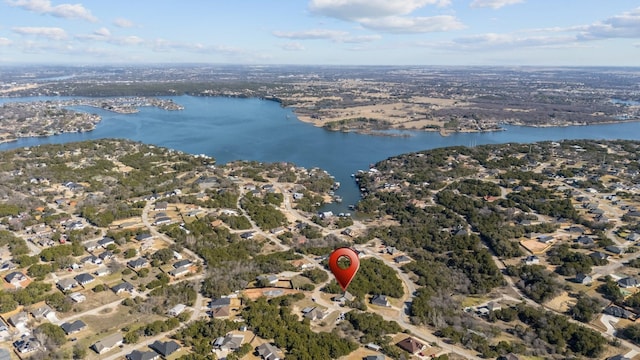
pixel 337 32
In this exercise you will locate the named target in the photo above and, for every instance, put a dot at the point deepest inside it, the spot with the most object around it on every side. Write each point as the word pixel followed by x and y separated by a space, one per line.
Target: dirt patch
pixel 535 246
pixel 561 303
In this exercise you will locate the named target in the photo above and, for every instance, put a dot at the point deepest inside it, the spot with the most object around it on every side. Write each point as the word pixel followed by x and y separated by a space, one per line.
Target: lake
pixel 254 129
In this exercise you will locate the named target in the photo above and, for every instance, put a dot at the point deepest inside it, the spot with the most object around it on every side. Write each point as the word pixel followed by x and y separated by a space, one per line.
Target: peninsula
pixel 52 117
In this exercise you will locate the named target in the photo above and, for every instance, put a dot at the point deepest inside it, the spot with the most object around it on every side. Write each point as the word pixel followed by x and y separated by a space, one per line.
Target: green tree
pixel 53 333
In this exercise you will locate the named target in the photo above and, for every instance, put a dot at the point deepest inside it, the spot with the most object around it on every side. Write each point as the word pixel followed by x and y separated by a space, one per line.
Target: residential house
pixel 26 345
pixel 374 357
pixel 137 263
pixel 145 236
pixel 618 357
pixel 279 230
pixel 42 312
pixel 165 348
pixel 531 260
pixel 615 249
pixel 411 345
pixel 66 284
pixel 142 355
pixel 181 271
pixel 231 342
pixel 91 245
pixel 103 271
pixel 585 240
pixel 248 235
pixel 345 296
pixel 545 239
pixel 91 259
pixel 374 347
pixel 177 310
pixel 181 263
pixel 628 282
pixel 267 279
pixel 633 237
pixel 19 320
pixel 619 312
pixel 315 314
pixel 576 229
pixel 162 220
pixel 84 278
pixel 106 241
pixel 74 327
pixel 125 286
pixel 380 300
pixel 161 206
pixel 599 255
pixel 108 343
pixel 16 278
pixel 268 352
pixel 218 303
pixel 221 312
pixel 7 265
pixel 77 297
pixel 106 255
pixel 3 326
pixel 583 279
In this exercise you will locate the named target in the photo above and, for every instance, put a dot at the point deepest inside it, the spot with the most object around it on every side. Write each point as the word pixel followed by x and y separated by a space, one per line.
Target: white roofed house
pixel 230 342
pixel 181 271
pixel 177 310
pixel 107 343
pixel 137 263
pixel 268 352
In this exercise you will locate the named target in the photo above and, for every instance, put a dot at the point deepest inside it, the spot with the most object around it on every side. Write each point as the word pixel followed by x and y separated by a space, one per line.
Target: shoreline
pixel 443 132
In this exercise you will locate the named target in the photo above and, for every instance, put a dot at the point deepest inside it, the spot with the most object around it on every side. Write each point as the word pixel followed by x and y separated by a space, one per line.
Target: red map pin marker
pixel 344 276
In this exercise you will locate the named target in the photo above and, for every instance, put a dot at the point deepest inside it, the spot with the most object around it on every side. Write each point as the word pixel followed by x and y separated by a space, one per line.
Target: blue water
pixel 253 129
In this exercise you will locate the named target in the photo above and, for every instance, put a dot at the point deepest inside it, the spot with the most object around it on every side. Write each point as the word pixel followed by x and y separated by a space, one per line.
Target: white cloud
pixel 360 39
pixel 163 45
pixel 494 4
pixel 123 23
pixel 103 32
pixel 52 33
pixel 399 24
pixel 626 25
pixel 492 40
pixel 323 34
pixel 292 46
pixel 128 40
pixel 359 9
pixel 5 41
pixel 387 15
pixel 315 34
pixel 67 11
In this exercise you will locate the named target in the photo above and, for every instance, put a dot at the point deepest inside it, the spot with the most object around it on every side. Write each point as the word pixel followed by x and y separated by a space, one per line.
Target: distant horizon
pixel 573 33
pixel 203 64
